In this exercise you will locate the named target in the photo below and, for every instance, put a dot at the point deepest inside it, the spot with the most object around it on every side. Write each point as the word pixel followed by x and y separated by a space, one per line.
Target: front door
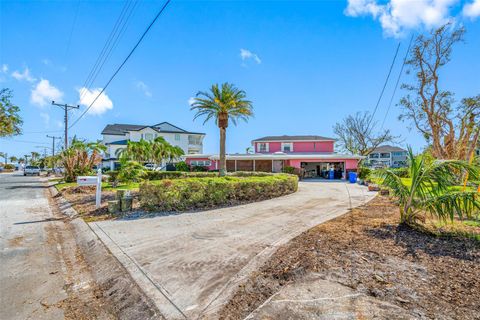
pixel 277 166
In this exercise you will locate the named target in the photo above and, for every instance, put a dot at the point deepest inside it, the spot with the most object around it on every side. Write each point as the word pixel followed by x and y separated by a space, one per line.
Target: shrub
pixel 113 178
pixel 132 171
pixel 202 193
pixel 288 169
pixel 364 173
pixel 199 169
pixel 9 166
pixel 182 166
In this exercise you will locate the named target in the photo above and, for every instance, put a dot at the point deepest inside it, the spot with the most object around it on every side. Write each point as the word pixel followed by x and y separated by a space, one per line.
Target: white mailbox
pixel 87 180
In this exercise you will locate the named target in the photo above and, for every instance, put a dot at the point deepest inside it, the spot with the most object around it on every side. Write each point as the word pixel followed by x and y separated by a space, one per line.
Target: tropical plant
pixel 430 190
pixel 35 155
pixel 13 159
pixel 182 166
pixel 132 171
pixel 222 104
pixel 80 158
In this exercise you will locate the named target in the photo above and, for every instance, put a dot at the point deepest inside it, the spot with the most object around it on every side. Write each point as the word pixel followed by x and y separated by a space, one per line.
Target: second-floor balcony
pixel 195 140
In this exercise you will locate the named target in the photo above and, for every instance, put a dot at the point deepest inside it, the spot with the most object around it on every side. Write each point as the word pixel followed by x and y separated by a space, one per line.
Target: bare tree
pixel 357 135
pixel 450 130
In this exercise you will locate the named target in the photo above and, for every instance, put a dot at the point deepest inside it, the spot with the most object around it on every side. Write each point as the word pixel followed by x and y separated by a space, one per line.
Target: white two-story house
pixel 116 137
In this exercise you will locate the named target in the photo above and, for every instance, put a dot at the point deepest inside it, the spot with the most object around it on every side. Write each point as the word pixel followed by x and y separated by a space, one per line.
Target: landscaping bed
pixel 204 193
pixel 368 251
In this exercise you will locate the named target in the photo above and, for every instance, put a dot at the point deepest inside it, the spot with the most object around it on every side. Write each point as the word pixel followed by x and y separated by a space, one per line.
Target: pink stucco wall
pixel 350 164
pixel 212 162
pixel 300 146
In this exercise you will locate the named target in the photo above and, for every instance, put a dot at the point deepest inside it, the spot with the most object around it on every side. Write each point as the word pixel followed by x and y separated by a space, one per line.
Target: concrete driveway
pixel 190 264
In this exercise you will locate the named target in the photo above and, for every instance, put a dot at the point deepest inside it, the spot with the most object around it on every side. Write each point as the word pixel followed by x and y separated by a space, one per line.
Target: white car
pixel 149 166
pixel 33 170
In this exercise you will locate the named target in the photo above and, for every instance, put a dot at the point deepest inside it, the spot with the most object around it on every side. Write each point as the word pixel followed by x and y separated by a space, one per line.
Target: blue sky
pixel 305 65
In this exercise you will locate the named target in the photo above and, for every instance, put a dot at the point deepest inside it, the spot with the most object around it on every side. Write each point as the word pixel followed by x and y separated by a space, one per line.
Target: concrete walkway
pixel 190 264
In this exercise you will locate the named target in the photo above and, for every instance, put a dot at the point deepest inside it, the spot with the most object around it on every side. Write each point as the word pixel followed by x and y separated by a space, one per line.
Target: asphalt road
pixel 31 277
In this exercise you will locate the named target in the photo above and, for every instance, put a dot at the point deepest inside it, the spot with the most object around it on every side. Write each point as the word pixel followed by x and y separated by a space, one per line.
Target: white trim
pixel 322 140
pixel 282 156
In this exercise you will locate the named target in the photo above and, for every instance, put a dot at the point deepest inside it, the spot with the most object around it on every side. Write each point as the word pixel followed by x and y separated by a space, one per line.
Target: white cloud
pixel 4 68
pixel 43 93
pixel 396 16
pixel 472 10
pixel 247 54
pixel 101 105
pixel 25 75
pixel 46 119
pixel 144 88
pixel 191 101
pixel 46 62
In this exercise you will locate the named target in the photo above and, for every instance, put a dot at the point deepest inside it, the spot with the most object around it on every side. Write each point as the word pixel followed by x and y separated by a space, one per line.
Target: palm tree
pixel 35 155
pixel 222 104
pixel 431 189
pixel 13 159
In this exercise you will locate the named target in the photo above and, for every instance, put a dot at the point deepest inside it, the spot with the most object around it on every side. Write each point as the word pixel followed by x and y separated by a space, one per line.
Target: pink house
pixel 315 155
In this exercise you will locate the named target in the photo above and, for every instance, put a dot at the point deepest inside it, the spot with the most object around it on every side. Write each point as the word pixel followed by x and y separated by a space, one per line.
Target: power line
pixel 109 45
pixel 124 61
pixel 384 86
pixel 71 30
pixel 398 80
pixel 24 141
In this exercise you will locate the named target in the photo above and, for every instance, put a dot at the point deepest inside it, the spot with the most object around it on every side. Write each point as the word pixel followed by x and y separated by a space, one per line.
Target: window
pixel 200 163
pixel 287 147
pixel 384 155
pixel 374 155
pixel 177 137
pixel 148 136
pixel 262 147
pixel 399 154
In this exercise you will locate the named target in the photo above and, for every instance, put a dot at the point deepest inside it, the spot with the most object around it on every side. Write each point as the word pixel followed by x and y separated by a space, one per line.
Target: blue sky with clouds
pixel 304 64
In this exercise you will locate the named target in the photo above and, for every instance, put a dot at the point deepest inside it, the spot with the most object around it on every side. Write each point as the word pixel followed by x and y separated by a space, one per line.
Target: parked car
pixel 33 170
pixel 150 166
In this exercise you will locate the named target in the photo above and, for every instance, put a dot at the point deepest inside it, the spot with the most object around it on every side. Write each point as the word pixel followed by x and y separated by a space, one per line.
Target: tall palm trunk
pixel 223 124
pixel 223 160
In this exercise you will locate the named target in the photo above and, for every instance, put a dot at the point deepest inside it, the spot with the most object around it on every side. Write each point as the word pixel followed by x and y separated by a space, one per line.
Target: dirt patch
pixel 16 242
pixel 368 251
pixel 83 201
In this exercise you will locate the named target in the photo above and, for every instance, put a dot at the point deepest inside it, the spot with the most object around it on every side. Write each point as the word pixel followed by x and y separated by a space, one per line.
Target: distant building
pixel 315 155
pixel 387 156
pixel 116 137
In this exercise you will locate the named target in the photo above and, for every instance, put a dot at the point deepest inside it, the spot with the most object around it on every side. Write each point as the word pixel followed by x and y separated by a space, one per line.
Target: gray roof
pixel 120 142
pixel 387 148
pixel 294 138
pixel 121 129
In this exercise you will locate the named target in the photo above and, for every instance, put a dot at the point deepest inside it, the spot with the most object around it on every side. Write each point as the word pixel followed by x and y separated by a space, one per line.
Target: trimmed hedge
pixel 160 175
pixel 203 193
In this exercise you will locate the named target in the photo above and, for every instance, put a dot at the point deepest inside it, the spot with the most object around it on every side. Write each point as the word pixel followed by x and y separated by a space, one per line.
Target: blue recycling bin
pixel 331 175
pixel 352 177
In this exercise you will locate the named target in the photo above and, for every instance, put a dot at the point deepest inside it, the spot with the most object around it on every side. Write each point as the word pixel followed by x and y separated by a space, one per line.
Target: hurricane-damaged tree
pixel 452 129
pixel 357 134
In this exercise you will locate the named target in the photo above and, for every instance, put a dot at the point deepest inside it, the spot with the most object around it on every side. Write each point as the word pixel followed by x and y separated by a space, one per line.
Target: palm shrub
pixel 431 189
pixel 131 171
pixel 79 158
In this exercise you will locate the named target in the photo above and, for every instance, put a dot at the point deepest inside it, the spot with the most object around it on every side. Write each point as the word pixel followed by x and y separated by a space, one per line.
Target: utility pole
pixel 53 143
pixel 65 107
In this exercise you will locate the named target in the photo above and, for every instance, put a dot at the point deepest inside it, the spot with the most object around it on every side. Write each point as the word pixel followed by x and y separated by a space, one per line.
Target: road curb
pixel 126 298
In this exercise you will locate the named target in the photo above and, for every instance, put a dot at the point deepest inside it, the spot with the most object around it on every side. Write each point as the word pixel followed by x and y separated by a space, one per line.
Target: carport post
pixel 254 165
pixel 235 165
